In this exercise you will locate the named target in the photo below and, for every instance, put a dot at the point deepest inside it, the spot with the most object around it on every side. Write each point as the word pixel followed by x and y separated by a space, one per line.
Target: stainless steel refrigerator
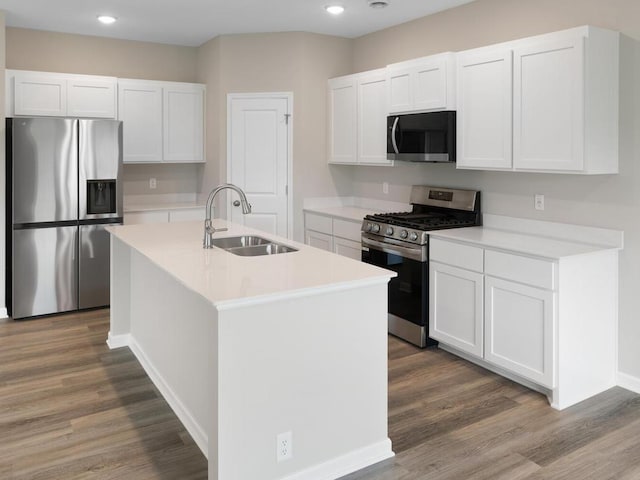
pixel 63 189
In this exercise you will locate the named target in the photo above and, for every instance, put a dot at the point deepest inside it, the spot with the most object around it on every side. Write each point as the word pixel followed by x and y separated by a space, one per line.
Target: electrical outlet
pixel 385 187
pixel 284 446
pixel 538 202
pixel 152 183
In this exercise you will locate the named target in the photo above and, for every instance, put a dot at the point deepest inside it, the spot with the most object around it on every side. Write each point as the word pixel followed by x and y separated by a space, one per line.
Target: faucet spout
pixel 209 229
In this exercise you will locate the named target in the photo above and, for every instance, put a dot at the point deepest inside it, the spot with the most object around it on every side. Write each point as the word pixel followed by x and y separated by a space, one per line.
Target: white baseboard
pixel 195 430
pixel 118 341
pixel 629 382
pixel 346 464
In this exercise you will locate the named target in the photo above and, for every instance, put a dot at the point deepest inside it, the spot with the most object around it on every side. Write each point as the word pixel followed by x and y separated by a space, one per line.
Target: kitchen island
pixel 275 364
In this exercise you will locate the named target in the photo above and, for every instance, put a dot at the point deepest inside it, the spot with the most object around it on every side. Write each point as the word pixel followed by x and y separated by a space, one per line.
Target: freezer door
pixel 45 271
pixel 94 266
pixel 100 158
pixel 45 169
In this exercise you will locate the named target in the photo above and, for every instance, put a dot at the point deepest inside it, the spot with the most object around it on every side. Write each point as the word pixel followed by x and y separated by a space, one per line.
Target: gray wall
pixel 279 62
pixel 610 201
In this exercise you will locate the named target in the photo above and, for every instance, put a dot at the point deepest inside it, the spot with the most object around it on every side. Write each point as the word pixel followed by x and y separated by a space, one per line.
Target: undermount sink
pixel 241 241
pixel 251 246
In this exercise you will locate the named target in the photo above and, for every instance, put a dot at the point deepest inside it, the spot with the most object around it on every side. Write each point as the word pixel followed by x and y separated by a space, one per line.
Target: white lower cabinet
pixel 333 234
pixel 456 307
pixel 518 329
pixel 347 248
pixel 548 323
pixel 496 306
pixel 319 240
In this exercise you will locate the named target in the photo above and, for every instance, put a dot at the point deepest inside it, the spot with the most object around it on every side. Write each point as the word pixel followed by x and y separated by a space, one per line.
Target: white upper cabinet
pixel 183 123
pixel 343 133
pixel 60 95
pixel 162 121
pixel 372 118
pixel 423 84
pixel 548 114
pixel 484 110
pixel 140 109
pixel 39 94
pixel 358 119
pixel 562 115
pixel 92 98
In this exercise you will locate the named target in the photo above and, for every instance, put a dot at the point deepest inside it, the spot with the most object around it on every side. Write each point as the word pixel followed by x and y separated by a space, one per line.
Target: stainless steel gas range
pixel 400 242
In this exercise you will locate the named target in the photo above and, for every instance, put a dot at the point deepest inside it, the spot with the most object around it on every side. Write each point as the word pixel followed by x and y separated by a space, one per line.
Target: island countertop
pixel 229 280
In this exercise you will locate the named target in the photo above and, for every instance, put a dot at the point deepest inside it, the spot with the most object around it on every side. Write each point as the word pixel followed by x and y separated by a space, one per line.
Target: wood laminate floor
pixel 72 409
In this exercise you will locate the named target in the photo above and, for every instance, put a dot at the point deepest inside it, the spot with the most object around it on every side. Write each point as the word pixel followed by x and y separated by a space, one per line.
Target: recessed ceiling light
pixel 106 19
pixel 334 9
pixel 378 3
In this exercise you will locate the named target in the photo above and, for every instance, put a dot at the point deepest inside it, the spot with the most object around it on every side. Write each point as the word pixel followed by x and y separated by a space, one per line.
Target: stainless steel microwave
pixel 422 137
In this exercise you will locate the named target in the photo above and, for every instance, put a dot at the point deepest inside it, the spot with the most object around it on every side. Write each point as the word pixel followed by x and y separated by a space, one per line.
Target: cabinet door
pixel 519 329
pixel 484 110
pixel 455 307
pixel 548 114
pixel 343 120
pixel 318 240
pixel 347 248
pixel 399 89
pixel 430 86
pixel 140 109
pixel 183 123
pixel 91 98
pixel 372 119
pixel 40 94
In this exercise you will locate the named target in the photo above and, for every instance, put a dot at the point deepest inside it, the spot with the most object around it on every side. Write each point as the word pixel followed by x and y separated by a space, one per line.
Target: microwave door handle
pixel 393 135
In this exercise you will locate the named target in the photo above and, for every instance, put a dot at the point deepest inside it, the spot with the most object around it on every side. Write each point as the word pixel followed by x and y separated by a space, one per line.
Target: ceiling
pixel 193 22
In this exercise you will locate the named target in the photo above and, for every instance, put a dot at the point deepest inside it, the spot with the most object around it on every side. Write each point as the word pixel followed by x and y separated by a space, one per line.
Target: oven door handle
pixel 418 254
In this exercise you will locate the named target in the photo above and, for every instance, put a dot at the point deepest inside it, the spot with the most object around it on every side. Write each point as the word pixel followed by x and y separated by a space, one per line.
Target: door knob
pixel 236 203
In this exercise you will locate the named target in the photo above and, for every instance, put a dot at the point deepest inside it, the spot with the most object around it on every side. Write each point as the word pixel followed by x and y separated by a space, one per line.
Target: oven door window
pixel 408 291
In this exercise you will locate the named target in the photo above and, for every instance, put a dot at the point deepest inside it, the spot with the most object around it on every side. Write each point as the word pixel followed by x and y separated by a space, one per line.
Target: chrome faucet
pixel 209 230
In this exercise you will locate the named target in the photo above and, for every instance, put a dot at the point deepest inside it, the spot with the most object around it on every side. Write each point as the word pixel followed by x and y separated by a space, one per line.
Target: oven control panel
pixel 393 231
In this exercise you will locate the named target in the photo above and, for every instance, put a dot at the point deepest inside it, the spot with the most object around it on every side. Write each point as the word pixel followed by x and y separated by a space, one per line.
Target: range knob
pixel 404 234
pixel 369 227
pixel 389 231
pixel 375 228
pixel 413 237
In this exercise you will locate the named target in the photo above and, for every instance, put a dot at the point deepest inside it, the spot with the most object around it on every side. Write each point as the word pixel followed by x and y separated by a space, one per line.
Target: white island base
pixel 240 371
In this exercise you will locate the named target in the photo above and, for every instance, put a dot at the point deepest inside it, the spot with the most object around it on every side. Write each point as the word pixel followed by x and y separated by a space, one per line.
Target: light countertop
pixel 229 280
pixel 540 246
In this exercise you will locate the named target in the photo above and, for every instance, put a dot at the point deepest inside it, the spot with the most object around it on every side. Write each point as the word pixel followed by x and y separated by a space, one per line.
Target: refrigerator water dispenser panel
pixel 101 197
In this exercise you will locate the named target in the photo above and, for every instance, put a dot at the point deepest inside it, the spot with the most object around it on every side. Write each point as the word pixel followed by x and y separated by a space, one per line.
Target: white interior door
pixel 258 155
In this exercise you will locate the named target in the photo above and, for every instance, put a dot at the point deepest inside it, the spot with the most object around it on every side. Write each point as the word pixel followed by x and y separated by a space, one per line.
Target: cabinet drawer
pixel 319 223
pixel 532 271
pixel 456 254
pixel 346 229
pixel 347 248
